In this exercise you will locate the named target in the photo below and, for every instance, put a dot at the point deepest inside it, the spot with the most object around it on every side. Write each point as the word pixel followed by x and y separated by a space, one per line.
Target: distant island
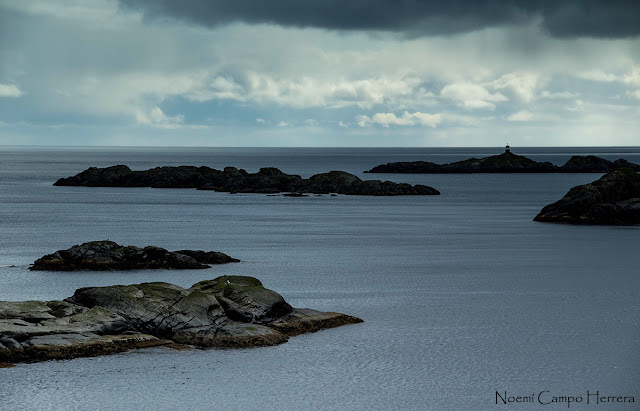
pixel 227 312
pixel 506 162
pixel 614 199
pixel 266 181
pixel 107 255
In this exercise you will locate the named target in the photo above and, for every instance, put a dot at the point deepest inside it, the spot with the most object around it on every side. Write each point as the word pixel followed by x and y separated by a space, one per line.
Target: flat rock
pixel 268 180
pixel 67 346
pixel 226 312
pixel 305 320
pixel 231 334
pixel 95 320
pixel 108 255
pixel 614 199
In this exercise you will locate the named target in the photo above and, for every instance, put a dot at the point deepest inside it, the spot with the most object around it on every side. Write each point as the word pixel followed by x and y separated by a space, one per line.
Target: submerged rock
pixel 108 255
pixel 506 162
pixel 227 312
pixel 268 180
pixel 613 199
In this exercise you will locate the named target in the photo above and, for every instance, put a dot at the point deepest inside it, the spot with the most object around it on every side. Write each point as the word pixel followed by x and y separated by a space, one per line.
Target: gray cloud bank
pixel 560 18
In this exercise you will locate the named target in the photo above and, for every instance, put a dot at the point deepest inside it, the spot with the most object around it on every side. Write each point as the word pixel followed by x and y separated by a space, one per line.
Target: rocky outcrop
pixel 594 164
pixel 506 162
pixel 108 255
pixel 227 312
pixel 345 183
pixel 613 199
pixel 267 181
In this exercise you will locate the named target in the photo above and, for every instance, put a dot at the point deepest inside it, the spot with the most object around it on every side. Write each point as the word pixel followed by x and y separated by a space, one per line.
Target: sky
pixel 320 73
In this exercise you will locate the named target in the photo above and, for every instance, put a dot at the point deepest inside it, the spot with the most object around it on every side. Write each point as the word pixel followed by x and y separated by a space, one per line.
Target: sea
pixel 468 304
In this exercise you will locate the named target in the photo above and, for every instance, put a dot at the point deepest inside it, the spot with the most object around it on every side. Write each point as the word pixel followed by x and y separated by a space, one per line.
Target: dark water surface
pixel 462 294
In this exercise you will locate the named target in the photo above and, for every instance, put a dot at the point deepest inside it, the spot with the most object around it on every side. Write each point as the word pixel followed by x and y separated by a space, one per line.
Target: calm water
pixel 462 294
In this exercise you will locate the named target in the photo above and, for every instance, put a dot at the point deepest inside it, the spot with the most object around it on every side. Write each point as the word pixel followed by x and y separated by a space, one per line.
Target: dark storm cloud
pixel 561 18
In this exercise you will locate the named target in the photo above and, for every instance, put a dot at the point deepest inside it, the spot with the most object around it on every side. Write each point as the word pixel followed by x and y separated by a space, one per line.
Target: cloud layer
pixel 570 18
pixel 206 73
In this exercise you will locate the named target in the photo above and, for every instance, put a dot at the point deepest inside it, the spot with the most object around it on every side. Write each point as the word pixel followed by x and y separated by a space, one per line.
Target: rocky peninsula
pixel 226 312
pixel 614 199
pixel 108 255
pixel 233 180
pixel 506 162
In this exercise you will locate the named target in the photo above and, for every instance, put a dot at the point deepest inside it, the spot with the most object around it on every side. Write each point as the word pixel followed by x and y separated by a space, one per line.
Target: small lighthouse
pixel 507 149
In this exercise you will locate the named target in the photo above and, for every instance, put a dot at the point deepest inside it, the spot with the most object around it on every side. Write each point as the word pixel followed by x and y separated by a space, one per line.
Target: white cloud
pixel 407 119
pixel 260 120
pixel 635 93
pixel 522 115
pixel 577 107
pixel 306 92
pixel 343 124
pixel 284 124
pixel 597 75
pixel 633 76
pixel 471 96
pixel 157 118
pixel 523 85
pixel 10 90
pixel 559 95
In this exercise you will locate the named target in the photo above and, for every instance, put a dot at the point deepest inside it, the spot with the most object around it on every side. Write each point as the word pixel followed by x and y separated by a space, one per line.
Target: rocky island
pixel 227 312
pixel 506 162
pixel 233 180
pixel 108 255
pixel 613 199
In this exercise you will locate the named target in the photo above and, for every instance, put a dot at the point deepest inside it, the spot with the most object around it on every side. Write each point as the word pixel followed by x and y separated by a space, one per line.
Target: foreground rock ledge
pixel 227 312
pixel 267 181
pixel 108 255
pixel 614 199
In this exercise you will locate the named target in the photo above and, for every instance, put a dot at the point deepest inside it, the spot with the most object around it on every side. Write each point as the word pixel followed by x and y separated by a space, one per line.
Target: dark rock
pixel 305 320
pixel 226 312
pixel 587 164
pixel 506 162
pixel 159 309
pixel 245 299
pixel 108 255
pixel 613 199
pixel 232 334
pixel 208 257
pixel 341 182
pixel 622 163
pixel 267 181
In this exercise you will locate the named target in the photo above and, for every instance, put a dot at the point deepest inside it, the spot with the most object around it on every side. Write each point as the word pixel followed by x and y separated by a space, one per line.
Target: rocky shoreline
pixel 108 255
pixel 614 199
pixel 233 180
pixel 506 162
pixel 226 312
